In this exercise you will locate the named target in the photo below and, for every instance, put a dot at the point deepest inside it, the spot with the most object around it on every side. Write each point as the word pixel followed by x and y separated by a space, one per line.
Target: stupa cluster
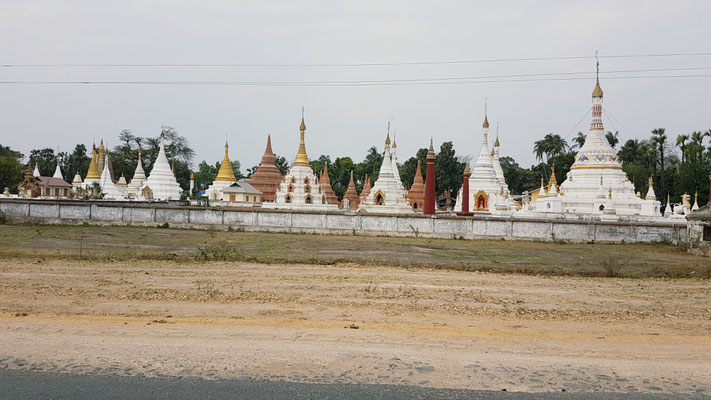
pixel 595 185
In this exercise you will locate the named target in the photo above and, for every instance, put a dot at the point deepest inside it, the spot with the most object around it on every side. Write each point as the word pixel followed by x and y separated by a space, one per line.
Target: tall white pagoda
pixel 484 184
pixel 108 188
pixel 388 193
pixel 161 184
pixel 596 162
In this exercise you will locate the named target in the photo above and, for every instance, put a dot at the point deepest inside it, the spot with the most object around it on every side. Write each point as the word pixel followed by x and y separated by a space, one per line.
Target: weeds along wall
pixel 581 229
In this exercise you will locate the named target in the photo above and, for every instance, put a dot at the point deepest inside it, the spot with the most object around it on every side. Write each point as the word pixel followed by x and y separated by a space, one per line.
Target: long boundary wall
pixel 269 220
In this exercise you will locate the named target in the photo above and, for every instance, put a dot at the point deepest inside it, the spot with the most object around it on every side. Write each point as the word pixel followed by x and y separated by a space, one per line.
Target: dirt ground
pixel 346 321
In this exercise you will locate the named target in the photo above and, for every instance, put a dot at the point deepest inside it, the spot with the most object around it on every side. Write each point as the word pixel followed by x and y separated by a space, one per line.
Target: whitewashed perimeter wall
pixel 256 219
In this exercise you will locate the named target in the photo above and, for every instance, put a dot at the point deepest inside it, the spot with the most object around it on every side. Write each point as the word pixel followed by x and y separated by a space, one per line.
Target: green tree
pixel 448 171
pixel 613 138
pixel 205 175
pixel 550 146
pixel 408 168
pixel 77 161
pixel 579 141
pixel 659 139
pixel 46 159
pixel 11 169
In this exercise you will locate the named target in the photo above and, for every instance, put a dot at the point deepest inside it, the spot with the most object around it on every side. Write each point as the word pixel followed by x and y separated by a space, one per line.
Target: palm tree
pixel 630 152
pixel 659 139
pixel 579 141
pixel 613 138
pixel 681 142
pixel 550 146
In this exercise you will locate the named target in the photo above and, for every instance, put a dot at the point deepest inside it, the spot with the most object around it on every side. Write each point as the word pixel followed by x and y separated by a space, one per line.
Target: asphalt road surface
pixel 41 385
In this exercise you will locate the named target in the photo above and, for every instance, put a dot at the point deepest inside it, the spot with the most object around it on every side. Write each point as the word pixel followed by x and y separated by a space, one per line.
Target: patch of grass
pixel 3 218
pixel 219 253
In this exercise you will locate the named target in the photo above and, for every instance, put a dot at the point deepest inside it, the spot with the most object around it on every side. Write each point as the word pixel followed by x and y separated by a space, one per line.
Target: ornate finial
pixel 387 138
pixel 301 157
pixel 542 183
pixel 394 139
pixel 467 171
pixel 598 90
pixel 431 153
pixel 651 182
pixel 496 143
pixel 610 192
pixel 668 200
pixel 192 176
pixel 600 180
pixel 486 113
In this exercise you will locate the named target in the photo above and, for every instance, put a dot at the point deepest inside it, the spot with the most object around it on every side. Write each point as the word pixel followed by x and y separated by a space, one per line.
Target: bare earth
pixel 352 323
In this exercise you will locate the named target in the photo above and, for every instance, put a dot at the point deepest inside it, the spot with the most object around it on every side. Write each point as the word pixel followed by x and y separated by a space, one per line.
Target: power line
pixel 347 65
pixel 393 82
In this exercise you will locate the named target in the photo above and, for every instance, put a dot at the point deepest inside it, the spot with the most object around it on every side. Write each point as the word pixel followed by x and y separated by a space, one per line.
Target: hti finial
pixel 597 65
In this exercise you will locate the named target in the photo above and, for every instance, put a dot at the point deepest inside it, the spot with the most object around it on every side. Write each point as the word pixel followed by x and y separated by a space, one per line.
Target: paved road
pixel 41 385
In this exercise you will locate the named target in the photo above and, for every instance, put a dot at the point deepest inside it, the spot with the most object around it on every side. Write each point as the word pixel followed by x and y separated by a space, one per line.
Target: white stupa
pixel 484 185
pixel 108 188
pixel 77 182
pixel 300 189
pixel 139 178
pixel 36 172
pixel 58 172
pixel 496 162
pixel 161 184
pixel 595 159
pixel 388 193
pixel 650 205
pixel 396 170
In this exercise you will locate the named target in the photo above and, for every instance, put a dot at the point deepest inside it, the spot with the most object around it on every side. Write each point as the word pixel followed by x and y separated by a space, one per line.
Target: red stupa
pixel 366 188
pixel 416 194
pixel 351 196
pixel 267 177
pixel 325 182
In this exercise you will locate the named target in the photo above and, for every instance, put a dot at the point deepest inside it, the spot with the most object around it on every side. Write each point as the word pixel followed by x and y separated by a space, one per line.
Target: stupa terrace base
pixel 549 228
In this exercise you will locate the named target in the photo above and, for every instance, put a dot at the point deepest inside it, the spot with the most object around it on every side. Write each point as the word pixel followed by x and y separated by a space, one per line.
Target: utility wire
pixel 339 83
pixel 338 65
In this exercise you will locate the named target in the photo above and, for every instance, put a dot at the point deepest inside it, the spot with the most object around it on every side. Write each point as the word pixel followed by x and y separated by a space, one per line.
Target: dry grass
pixel 184 246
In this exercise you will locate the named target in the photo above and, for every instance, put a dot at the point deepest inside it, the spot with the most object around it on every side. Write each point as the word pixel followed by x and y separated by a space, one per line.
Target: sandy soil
pixel 348 323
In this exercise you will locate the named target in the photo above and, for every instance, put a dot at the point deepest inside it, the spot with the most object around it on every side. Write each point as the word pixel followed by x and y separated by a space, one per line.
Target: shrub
pixel 611 265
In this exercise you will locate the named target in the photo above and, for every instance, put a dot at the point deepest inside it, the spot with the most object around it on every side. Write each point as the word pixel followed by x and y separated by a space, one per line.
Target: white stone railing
pixel 523 227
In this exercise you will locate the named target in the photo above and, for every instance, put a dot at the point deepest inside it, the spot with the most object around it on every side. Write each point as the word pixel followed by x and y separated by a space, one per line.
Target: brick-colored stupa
pixel 267 177
pixel 325 182
pixel 350 198
pixel 416 194
pixel 366 188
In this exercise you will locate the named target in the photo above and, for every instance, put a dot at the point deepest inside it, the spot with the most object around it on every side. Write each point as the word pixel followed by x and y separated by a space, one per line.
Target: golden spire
pixel 192 176
pixel 496 142
pixel 387 141
pixel 651 182
pixel 301 157
pixel 598 90
pixel 486 121
pixel 668 201
pixel 610 192
pixel 552 181
pixel 93 172
pixel 542 183
pixel 467 171
pixel 226 173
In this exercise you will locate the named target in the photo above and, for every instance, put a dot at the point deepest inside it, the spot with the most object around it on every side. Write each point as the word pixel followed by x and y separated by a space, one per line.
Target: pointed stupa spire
pixel 431 152
pixel 93 171
pixel 598 90
pixel 350 198
pixel 226 173
pixel 58 171
pixel 552 181
pixel 650 193
pixel 36 172
pixel 301 157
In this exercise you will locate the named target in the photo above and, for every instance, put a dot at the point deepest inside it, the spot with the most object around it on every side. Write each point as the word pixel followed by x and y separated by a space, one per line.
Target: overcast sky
pixel 346 120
